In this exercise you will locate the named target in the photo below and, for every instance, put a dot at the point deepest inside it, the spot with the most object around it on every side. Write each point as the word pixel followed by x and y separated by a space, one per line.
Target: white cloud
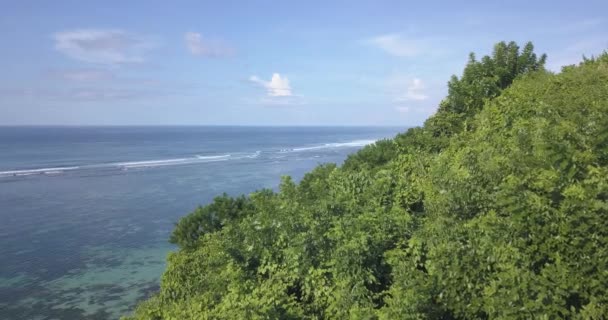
pixel 277 86
pixel 415 90
pixel 204 47
pixel 108 94
pixel 83 75
pixel 407 89
pixel 103 46
pixel 410 95
pixel 88 94
pixel 396 45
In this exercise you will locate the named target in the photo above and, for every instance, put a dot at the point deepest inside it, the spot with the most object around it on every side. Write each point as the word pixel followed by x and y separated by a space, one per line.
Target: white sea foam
pixel 180 161
pixel 255 155
pixel 355 143
pixel 121 165
pixel 54 172
pixel 151 163
pixel 171 162
pixel 212 157
pixel 25 174
pixel 36 171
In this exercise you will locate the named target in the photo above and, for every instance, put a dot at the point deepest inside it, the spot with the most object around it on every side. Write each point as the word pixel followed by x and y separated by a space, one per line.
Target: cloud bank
pixel 103 46
pixel 83 75
pixel 199 46
pixel 396 45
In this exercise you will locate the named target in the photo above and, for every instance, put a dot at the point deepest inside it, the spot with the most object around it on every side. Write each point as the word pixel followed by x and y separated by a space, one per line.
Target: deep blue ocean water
pixel 85 212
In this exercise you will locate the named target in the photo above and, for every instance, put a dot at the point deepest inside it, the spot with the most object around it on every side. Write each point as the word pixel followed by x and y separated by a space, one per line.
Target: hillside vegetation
pixel 496 208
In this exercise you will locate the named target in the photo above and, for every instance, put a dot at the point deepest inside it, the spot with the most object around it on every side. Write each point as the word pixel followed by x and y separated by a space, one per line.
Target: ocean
pixel 86 212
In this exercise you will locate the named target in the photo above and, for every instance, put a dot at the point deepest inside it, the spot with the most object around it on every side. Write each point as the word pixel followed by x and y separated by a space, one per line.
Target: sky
pixel 277 63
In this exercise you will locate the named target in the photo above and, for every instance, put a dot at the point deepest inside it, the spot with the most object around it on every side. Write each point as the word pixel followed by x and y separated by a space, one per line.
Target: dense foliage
pixel 495 208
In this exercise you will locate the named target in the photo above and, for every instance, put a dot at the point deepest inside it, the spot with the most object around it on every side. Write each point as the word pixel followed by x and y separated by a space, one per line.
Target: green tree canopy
pixel 496 208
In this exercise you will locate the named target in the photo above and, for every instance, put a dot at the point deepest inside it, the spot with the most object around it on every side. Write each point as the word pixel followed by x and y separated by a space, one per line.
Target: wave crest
pixel 196 159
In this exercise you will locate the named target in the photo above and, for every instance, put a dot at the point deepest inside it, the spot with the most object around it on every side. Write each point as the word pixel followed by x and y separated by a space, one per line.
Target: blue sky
pixel 263 62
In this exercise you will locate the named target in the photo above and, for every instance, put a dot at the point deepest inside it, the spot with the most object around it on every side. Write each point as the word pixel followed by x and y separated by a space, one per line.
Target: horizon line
pixel 196 125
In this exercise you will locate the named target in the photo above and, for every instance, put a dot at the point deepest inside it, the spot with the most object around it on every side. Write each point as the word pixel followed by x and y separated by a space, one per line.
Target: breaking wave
pixel 355 143
pixel 196 159
pixel 28 172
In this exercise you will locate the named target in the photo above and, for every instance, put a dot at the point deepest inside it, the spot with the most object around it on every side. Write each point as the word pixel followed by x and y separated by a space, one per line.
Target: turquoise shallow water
pixel 86 212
